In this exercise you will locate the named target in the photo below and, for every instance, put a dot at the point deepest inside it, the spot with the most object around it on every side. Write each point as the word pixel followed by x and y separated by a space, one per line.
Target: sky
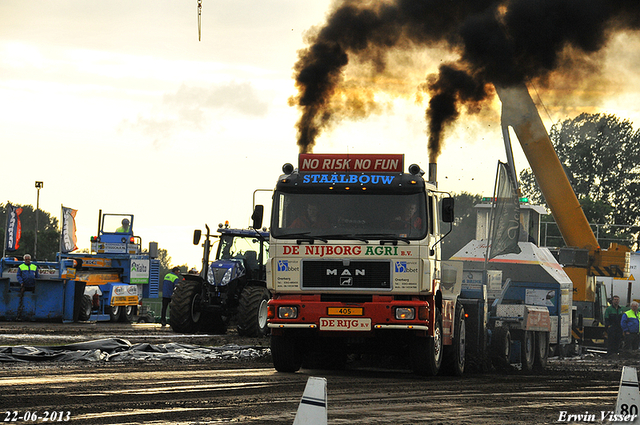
pixel 116 106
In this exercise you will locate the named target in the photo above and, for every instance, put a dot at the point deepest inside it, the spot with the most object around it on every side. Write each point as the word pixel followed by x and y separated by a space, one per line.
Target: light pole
pixel 35 240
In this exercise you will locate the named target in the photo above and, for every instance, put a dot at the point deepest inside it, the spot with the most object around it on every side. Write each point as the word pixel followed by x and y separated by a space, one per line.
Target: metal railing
pixel 602 232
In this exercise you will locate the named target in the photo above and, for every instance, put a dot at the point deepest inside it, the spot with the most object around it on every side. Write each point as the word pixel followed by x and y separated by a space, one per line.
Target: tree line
pixel 49 237
pixel 48 233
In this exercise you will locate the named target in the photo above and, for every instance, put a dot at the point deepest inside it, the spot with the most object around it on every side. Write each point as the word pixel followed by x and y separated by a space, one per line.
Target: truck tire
pixel 85 308
pixel 126 316
pixel 252 311
pixel 185 307
pixel 286 353
pixel 542 351
pixel 527 351
pixel 454 355
pixel 113 312
pixel 427 353
pixel 501 348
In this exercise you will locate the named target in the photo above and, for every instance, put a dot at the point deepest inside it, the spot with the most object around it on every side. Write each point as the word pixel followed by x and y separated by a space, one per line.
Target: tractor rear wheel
pixel 252 311
pixel 185 307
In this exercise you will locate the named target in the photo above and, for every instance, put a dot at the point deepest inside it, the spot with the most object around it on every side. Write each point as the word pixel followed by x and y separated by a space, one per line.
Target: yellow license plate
pixel 124 300
pixel 345 311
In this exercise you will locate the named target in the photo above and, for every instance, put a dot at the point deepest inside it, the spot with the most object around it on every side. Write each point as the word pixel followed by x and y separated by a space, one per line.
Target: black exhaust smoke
pixel 502 42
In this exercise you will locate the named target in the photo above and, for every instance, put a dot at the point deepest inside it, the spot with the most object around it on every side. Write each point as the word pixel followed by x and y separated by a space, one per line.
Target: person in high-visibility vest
pixel 27 274
pixel 630 323
pixel 125 228
pixel 170 280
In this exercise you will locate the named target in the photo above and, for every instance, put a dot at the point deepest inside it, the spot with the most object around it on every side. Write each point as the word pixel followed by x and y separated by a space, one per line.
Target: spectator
pixel 630 326
pixel 27 275
pixel 612 319
pixel 168 284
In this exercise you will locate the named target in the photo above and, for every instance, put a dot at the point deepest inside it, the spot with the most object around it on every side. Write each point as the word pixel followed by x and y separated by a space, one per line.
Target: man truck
pixel 356 267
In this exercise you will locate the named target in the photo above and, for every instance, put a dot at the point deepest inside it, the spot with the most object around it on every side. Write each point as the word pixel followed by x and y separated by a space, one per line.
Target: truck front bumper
pixel 332 316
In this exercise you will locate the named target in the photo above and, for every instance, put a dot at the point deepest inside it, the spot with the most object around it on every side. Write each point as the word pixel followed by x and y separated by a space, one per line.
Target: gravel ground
pixel 249 390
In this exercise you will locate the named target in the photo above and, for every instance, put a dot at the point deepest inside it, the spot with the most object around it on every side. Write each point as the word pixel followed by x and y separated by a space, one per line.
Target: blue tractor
pixel 231 288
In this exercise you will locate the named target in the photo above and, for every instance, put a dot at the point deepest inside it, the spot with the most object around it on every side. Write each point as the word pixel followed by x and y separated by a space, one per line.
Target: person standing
pixel 27 274
pixel 168 284
pixel 612 319
pixel 630 323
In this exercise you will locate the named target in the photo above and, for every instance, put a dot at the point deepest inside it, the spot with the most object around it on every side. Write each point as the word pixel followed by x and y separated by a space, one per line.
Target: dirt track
pixel 240 391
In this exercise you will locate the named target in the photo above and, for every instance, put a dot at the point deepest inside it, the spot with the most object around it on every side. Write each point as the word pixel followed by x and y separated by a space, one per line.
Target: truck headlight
pixel 288 312
pixel 405 313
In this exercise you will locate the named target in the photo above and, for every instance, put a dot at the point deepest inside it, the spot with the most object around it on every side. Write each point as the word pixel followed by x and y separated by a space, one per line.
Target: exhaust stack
pixel 433 173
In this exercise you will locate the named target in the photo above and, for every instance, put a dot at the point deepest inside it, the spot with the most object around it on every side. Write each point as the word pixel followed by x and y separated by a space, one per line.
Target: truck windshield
pixel 349 216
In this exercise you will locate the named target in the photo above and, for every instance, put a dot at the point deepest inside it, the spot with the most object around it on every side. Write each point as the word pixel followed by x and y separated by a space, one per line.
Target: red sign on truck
pixel 358 163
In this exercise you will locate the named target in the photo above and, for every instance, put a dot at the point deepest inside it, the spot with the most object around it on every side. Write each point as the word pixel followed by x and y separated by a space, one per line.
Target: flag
pixel 14 228
pixel 68 237
pixel 505 216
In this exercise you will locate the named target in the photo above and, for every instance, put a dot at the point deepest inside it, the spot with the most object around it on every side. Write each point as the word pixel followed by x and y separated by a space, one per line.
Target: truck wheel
pixel 113 312
pixel 252 311
pixel 185 307
pixel 85 308
pixel 426 353
pixel 454 355
pixel 542 351
pixel 127 313
pixel 527 351
pixel 501 348
pixel 286 353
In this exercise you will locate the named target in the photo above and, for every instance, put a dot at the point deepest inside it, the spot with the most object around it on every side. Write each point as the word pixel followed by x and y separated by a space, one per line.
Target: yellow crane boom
pixel 519 112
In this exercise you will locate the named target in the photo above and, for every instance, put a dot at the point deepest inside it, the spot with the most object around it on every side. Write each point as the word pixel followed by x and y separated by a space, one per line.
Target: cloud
pixel 239 97
pixel 191 108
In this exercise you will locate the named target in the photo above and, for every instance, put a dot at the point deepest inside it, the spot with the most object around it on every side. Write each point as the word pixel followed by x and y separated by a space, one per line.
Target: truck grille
pixel 346 275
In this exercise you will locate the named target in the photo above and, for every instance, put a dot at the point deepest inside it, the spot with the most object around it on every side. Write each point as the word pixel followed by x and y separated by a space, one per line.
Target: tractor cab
pixel 115 235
